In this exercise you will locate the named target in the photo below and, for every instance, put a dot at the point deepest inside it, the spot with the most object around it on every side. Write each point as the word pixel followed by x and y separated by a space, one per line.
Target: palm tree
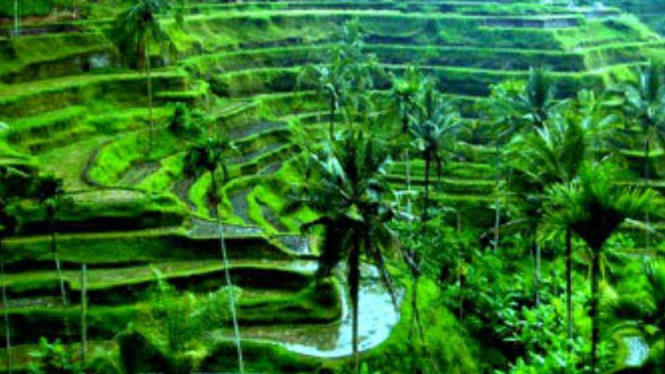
pixel 434 129
pixel 405 90
pixel 598 122
pixel 644 101
pixel 593 208
pixel 516 109
pixel 404 94
pixel 50 193
pixel 646 311
pixel 347 188
pixel 135 32
pixel 537 102
pixel 552 154
pixel 331 82
pixel 209 154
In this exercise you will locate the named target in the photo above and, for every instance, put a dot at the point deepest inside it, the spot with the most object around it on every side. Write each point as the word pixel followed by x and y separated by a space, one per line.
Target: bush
pixel 53 358
pixel 188 122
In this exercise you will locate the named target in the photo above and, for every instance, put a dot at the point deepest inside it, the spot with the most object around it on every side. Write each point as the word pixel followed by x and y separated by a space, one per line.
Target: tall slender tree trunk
pixel 84 316
pixel 408 182
pixel 16 19
pixel 58 267
pixel 460 262
pixel 425 212
pixel 595 302
pixel 646 185
pixel 569 284
pixel 405 131
pixel 333 105
pixel 354 286
pixel 148 71
pixel 497 202
pixel 415 258
pixel 538 268
pixel 5 310
pixel 229 283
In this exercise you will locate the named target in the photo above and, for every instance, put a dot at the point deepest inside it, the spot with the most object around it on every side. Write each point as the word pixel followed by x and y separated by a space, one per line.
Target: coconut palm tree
pixel 515 108
pixel 598 122
pixel 50 193
pixel 537 102
pixel 331 82
pixel 645 311
pixel 135 32
pixel 593 208
pixel 550 155
pixel 405 90
pixel 347 189
pixel 434 129
pixel 644 102
pixel 209 155
pixel 404 93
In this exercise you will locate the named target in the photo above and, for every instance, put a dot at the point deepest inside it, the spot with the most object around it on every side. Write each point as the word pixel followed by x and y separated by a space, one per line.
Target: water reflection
pixel 637 350
pixel 377 318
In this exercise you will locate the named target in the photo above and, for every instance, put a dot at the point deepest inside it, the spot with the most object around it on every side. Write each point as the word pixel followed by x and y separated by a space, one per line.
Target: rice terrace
pixel 332 186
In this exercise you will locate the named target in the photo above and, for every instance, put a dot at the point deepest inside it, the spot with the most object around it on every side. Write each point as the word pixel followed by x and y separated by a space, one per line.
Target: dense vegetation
pixel 326 186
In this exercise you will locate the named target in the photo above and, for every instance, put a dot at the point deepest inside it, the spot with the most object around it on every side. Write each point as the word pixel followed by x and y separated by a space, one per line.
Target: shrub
pixel 53 358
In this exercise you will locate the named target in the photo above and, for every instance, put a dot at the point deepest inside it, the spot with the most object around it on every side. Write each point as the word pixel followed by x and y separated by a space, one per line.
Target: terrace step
pixel 457 170
pixel 45 125
pixel 446 185
pixel 56 55
pixel 133 278
pixel 25 99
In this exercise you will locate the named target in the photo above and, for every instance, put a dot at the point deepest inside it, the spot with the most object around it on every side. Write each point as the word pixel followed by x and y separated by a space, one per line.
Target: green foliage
pixel 138 29
pixel 174 328
pixel 53 358
pixel 188 122
pixel 27 8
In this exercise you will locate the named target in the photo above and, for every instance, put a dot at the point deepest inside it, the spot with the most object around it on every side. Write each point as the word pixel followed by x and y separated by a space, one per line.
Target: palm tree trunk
pixel 16 19
pixel 58 267
pixel 148 71
pixel 497 202
pixel 460 262
pixel 662 331
pixel 646 185
pixel 229 283
pixel 5 309
pixel 84 315
pixel 354 286
pixel 426 202
pixel 569 283
pixel 538 269
pixel 405 131
pixel 408 182
pixel 333 104
pixel 595 301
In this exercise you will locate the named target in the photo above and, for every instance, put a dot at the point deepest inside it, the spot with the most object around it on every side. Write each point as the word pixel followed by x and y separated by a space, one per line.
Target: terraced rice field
pixel 75 111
